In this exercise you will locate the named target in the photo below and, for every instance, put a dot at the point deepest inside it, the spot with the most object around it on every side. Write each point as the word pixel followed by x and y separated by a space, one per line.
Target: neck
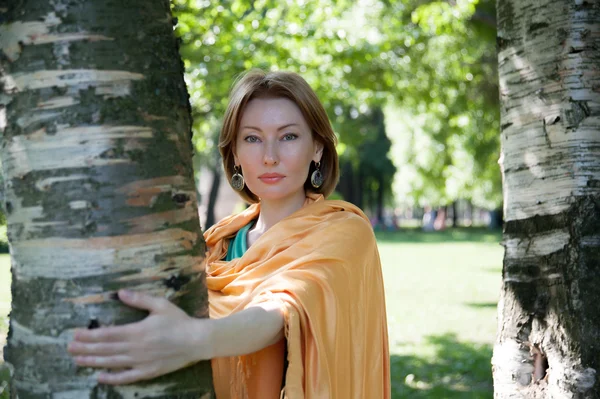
pixel 272 212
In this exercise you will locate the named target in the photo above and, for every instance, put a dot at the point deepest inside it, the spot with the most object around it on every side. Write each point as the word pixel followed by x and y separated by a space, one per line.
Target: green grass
pixel 441 292
pixel 441 295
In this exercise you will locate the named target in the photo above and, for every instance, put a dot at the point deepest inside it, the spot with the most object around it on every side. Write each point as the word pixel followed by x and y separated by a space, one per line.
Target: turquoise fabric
pixel 239 244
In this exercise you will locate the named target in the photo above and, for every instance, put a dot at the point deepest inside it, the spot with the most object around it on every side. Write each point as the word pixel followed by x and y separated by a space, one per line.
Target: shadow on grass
pixel 458 370
pixel 459 234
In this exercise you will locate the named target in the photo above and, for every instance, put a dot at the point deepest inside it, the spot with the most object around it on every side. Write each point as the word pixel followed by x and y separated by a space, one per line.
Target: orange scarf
pixel 322 265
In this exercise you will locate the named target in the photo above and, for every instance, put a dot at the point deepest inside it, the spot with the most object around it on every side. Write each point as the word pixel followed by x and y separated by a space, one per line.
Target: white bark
pixel 550 117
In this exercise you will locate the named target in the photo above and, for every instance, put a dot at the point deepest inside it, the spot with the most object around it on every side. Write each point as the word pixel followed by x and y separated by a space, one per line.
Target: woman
pixel 295 287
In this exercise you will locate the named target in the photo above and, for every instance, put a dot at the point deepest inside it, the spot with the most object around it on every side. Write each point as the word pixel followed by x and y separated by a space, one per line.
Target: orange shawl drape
pixel 322 266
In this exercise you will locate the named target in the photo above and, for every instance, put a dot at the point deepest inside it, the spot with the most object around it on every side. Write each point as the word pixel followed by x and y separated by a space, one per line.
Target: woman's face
pixel 274 148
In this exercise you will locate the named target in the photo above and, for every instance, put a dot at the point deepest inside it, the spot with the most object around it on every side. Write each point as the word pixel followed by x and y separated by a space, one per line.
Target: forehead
pixel 271 113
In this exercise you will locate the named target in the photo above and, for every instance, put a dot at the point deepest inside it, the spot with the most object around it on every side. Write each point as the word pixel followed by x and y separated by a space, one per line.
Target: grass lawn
pixel 441 294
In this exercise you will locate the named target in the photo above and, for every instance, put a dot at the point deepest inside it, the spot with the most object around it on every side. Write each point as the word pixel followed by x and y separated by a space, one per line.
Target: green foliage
pixel 220 41
pixel 433 60
pixel 449 99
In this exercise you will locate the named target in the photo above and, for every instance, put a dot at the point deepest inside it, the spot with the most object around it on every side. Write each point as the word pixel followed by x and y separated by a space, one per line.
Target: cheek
pixel 248 159
pixel 298 158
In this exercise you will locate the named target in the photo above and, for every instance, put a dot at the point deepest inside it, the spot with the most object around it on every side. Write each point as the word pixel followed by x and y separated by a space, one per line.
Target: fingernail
pixel 125 294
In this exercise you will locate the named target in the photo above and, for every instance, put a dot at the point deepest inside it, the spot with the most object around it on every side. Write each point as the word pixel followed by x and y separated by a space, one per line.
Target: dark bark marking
pixel 536 224
pixel 503 42
pixel 547 138
pixel 593 183
pixel 94 323
pixel 562 34
pixel 176 282
pixel 537 26
pixel 589 215
pixel 505 126
pixel 105 392
pixel 578 112
pixel 180 198
pixel 584 6
pixel 584 33
pixel 576 50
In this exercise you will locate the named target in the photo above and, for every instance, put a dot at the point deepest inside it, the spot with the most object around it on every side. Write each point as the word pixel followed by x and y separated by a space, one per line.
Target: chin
pixel 277 195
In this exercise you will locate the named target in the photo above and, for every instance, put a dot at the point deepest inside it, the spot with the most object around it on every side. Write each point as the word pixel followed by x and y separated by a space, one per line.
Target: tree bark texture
pixel 100 195
pixel 548 343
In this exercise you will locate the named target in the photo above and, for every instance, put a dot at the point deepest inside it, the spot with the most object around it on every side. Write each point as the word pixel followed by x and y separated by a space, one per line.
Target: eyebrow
pixel 280 128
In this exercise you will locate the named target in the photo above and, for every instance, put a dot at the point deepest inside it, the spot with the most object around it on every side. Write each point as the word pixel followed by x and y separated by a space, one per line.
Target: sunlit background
pixel 410 87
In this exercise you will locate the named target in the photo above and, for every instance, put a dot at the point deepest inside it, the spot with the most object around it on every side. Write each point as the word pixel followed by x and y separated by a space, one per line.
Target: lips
pixel 271 178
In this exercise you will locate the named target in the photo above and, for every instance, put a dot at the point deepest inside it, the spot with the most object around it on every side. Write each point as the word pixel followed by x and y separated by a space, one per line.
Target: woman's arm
pixel 247 331
pixel 168 339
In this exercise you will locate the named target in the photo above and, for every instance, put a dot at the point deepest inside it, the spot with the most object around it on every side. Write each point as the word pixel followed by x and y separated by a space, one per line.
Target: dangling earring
pixel 237 180
pixel 316 179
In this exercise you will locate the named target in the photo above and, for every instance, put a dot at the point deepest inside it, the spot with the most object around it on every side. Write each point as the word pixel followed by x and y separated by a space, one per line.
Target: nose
pixel 271 155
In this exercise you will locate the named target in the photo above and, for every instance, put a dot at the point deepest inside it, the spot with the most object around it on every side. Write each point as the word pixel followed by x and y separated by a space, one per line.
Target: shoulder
pixel 347 223
pixel 350 212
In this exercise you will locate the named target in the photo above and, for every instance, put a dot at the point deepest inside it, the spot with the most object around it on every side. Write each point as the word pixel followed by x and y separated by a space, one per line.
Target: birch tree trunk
pixel 100 195
pixel 548 343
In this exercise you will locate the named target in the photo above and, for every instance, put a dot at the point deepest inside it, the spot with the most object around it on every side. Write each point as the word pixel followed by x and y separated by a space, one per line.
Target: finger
pixel 103 349
pixel 104 334
pixel 105 362
pixel 123 377
pixel 143 301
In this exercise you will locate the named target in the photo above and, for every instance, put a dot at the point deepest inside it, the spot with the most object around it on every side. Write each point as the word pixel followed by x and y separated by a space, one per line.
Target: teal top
pixel 239 244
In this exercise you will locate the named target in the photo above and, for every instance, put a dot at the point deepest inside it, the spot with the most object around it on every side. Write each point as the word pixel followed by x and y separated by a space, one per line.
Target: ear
pixel 318 151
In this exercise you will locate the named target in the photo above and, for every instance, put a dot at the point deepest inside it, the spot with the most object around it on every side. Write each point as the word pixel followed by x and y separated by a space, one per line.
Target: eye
pixel 251 139
pixel 289 136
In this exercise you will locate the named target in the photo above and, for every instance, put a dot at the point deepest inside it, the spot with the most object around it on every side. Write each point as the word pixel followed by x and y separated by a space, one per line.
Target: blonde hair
pixel 260 84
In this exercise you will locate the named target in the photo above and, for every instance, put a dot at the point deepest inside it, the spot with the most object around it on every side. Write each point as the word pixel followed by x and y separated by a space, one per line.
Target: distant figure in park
pixel 295 285
pixel 429 217
pixel 434 220
pixel 439 223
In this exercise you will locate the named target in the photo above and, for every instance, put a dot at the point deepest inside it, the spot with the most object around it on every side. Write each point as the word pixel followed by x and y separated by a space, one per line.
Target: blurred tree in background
pixel 428 64
pixel 449 93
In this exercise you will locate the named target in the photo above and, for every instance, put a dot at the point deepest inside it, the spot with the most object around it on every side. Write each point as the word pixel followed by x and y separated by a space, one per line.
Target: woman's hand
pixel 166 340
